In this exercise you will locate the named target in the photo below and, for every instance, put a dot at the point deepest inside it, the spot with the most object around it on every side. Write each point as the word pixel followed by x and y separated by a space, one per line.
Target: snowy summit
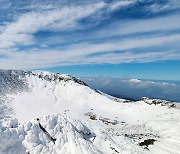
pixel 47 113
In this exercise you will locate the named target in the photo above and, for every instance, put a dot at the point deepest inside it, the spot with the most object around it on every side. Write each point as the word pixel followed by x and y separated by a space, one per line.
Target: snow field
pixel 83 120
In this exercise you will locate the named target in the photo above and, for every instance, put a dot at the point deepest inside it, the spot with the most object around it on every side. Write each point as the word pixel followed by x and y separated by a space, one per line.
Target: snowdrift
pixel 71 137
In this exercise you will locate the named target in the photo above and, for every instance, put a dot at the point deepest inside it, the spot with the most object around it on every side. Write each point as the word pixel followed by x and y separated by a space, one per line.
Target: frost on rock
pixel 48 76
pixel 11 139
pixel 12 81
pixel 160 102
pixel 71 137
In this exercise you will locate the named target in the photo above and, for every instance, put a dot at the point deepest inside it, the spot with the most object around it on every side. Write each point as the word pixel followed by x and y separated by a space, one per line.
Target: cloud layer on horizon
pixel 135 89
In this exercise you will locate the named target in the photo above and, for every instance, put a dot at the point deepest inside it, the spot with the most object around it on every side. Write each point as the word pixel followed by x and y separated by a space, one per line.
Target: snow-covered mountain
pixel 42 112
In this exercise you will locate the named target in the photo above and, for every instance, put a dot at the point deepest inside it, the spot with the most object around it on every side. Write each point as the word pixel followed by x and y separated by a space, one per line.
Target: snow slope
pixel 82 120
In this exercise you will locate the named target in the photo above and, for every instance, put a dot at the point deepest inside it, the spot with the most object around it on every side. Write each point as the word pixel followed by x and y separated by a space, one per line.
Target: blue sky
pixel 94 38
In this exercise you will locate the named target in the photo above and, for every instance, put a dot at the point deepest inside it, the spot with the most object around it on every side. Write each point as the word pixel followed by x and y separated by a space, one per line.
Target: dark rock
pixel 147 142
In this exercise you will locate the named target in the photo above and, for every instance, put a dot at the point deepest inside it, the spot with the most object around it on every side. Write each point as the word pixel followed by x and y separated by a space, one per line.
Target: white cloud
pixel 53 17
pixel 170 5
pixel 79 54
pixel 129 57
pixel 121 3
pixel 124 44
pixel 22 30
pixel 163 23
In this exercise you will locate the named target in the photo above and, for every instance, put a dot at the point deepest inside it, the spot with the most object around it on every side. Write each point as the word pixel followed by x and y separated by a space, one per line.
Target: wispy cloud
pixel 52 18
pixel 89 54
pixel 119 4
pixel 119 41
pixel 134 26
pixel 21 31
pixel 160 7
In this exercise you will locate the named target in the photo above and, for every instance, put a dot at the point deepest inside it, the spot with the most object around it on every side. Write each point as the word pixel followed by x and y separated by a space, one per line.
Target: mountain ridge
pixel 83 120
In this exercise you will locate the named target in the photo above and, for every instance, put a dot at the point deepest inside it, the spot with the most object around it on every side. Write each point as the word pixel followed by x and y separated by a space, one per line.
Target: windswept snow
pixel 29 138
pixel 82 120
pixel 69 136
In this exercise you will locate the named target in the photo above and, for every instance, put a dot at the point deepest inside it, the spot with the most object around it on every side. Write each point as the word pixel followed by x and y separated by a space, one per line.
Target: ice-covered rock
pixel 71 137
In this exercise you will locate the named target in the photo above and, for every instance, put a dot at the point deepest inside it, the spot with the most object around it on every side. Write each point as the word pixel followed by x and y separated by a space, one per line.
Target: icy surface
pixel 80 119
